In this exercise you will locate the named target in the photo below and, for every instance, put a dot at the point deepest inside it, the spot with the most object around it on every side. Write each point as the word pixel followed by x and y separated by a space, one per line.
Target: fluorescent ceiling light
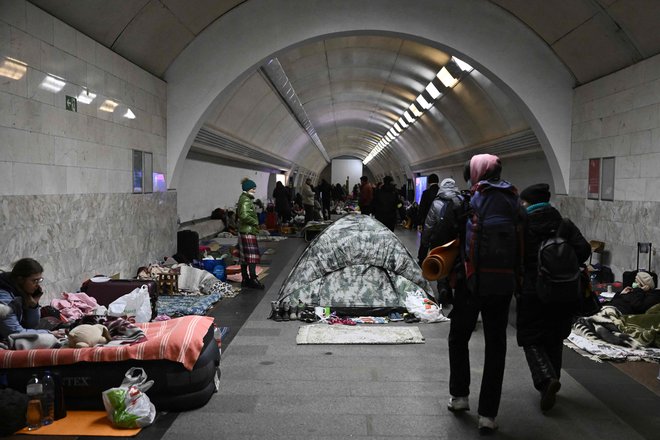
pixel 415 111
pixel 409 118
pixel 446 78
pixel 129 114
pixel 86 97
pixel 402 122
pixel 397 127
pixel 422 102
pixel 433 91
pixel 52 84
pixel 462 64
pixel 12 69
pixel 108 106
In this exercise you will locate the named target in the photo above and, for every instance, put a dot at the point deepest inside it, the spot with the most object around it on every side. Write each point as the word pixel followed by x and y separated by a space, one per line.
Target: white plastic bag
pixel 135 303
pixel 423 308
pixel 127 406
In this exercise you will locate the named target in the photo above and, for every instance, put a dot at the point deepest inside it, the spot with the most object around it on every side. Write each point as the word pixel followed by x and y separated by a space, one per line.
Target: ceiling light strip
pixel 277 77
pixel 444 79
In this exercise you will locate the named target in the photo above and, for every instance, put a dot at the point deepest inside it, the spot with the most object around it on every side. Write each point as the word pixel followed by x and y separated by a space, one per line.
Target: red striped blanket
pixel 178 340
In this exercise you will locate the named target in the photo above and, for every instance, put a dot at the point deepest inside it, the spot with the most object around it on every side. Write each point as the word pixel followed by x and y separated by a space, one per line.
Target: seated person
pixel 639 298
pixel 20 291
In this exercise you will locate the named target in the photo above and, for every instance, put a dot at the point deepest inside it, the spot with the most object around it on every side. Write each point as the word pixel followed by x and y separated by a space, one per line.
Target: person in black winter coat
pixel 542 328
pixel 426 200
pixel 282 203
pixel 385 203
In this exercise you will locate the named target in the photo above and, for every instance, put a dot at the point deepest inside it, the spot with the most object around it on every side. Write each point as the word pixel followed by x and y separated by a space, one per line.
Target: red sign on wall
pixel 593 183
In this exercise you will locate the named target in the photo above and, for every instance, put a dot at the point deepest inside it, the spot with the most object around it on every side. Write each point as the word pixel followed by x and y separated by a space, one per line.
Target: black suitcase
pixel 187 246
pixel 629 275
pixel 108 291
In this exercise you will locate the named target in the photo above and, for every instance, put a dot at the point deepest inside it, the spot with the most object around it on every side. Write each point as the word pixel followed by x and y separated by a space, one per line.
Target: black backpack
pixel 452 224
pixel 493 247
pixel 558 279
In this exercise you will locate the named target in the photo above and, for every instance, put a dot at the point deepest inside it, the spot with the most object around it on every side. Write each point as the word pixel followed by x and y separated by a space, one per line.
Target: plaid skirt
pixel 248 249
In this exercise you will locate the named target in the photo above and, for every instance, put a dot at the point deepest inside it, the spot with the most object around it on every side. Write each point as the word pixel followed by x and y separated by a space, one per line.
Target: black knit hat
pixel 537 193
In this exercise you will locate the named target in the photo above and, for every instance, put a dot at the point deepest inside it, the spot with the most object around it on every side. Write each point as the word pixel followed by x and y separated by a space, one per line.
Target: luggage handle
pixel 644 248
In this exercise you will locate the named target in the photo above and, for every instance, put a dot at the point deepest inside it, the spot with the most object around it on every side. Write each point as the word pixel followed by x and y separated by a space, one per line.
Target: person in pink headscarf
pixel 491 276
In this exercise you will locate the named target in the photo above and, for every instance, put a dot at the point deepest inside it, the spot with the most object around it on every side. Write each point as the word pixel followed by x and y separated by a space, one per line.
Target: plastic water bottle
pixel 34 390
pixel 48 399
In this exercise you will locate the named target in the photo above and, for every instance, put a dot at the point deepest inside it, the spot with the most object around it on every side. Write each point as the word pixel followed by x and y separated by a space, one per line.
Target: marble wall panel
pixel 76 236
pixel 620 224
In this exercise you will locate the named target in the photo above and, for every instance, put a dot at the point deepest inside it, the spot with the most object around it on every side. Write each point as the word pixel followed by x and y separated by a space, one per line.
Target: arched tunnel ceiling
pixel 353 88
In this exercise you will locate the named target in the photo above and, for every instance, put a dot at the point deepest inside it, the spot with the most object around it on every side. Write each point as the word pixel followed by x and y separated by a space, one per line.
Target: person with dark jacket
pixel 282 202
pixel 474 296
pixel 385 203
pixel 427 198
pixel 325 191
pixel 442 225
pixel 433 232
pixel 366 195
pixel 638 298
pixel 20 291
pixel 542 328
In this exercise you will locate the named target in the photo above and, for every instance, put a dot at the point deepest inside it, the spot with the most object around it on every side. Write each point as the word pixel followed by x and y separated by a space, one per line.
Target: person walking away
pixel 493 262
pixel 385 203
pixel 308 200
pixel 248 228
pixel 542 327
pixel 425 201
pixel 444 223
pixel 366 195
pixel 282 203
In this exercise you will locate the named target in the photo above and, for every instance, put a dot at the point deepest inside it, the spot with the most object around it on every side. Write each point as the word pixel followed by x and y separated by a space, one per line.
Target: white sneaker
pixel 487 425
pixel 457 404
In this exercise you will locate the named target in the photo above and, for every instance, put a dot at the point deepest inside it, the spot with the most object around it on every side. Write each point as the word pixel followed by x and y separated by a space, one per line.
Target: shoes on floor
pixel 395 317
pixel 410 318
pixel 549 393
pixel 458 404
pixel 487 425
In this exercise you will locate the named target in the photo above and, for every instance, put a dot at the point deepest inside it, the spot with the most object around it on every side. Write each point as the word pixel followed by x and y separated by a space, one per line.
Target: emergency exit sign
pixel 71 103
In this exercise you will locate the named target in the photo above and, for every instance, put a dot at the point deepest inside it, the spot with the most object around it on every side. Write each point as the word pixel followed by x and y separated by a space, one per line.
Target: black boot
pixel 543 375
pixel 254 280
pixel 244 275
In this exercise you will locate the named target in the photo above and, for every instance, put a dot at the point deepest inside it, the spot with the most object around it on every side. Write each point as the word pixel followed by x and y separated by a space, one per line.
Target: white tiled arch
pixel 484 35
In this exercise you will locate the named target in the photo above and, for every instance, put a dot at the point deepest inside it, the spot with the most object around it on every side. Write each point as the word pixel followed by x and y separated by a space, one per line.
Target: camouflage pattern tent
pixel 355 266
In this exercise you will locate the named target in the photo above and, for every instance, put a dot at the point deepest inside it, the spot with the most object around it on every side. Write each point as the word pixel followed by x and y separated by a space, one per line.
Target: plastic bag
pixel 127 406
pixel 423 308
pixel 135 303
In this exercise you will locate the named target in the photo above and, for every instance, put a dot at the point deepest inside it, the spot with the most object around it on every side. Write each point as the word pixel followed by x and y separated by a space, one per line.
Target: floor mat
pixel 359 334
pixel 94 423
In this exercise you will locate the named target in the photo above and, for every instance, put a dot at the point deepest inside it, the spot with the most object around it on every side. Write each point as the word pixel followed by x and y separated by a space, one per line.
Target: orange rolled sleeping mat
pixel 440 260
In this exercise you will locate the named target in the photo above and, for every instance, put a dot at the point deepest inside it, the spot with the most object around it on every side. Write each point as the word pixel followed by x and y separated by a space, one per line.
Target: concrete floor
pixel 273 388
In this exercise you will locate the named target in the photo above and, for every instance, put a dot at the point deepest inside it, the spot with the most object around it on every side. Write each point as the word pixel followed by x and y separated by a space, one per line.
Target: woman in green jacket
pixel 248 228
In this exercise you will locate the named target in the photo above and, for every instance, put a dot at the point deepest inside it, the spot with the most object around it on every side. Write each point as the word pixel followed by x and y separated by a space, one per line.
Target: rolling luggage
pixel 108 291
pixel 187 246
pixel 629 275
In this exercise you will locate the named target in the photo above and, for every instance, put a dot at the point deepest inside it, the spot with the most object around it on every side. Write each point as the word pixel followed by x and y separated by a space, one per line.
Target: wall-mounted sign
pixel 607 180
pixel 593 182
pixel 71 103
